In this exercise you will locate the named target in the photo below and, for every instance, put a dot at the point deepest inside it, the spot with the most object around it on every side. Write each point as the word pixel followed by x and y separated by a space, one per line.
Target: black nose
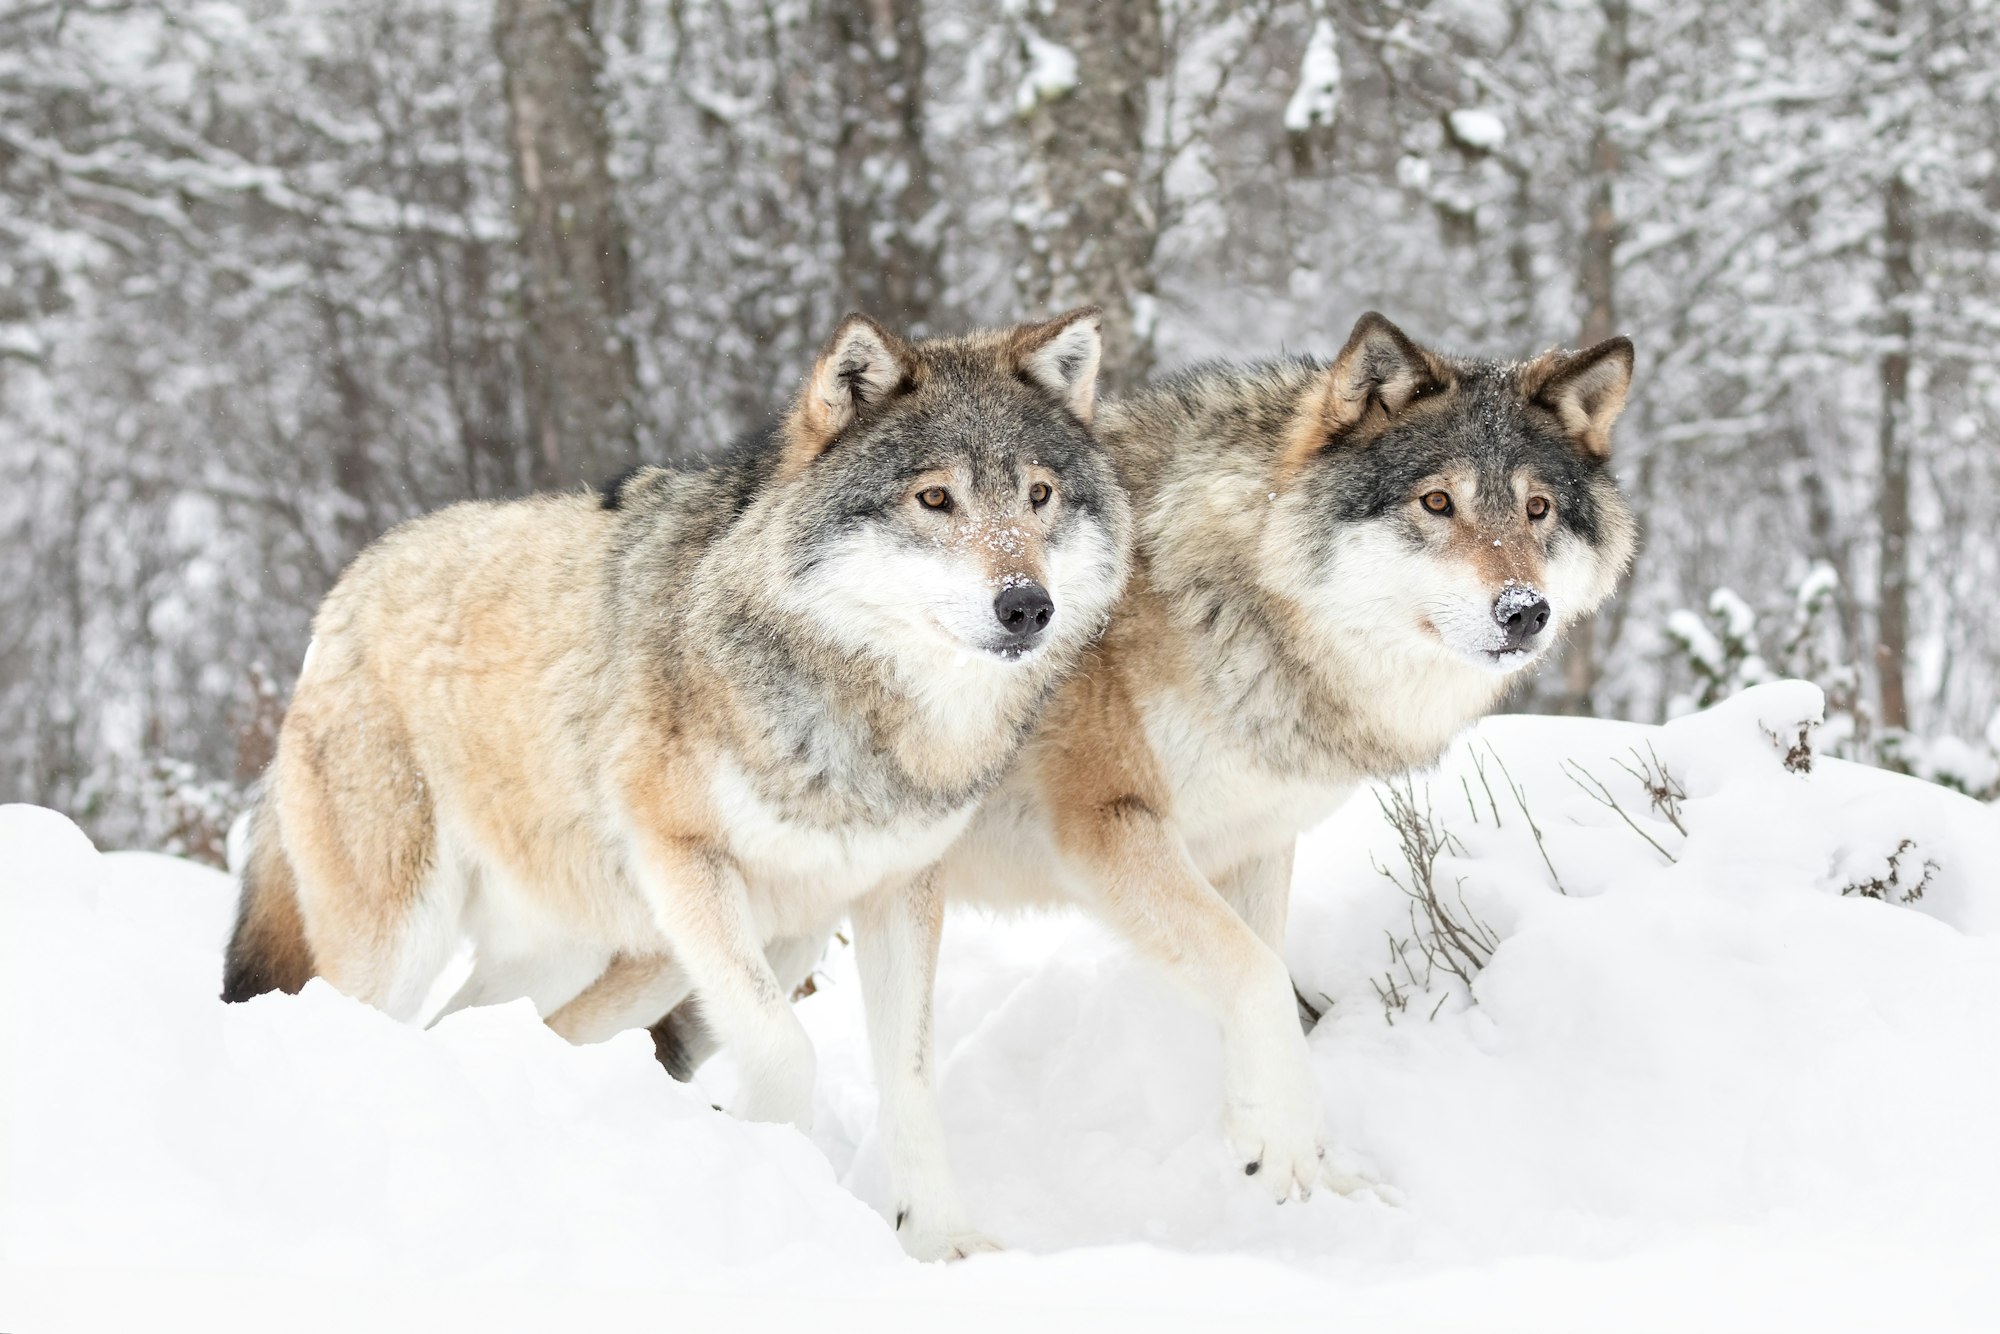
pixel 1522 613
pixel 1024 609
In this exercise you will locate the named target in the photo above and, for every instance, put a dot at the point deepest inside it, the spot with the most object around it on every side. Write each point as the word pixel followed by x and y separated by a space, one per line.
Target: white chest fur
pixel 1227 804
pixel 801 876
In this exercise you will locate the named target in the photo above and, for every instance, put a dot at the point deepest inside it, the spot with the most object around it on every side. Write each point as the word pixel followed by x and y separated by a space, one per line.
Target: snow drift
pixel 1725 1057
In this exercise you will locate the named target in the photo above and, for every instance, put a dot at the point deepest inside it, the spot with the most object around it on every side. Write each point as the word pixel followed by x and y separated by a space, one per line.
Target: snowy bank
pixel 1694 1084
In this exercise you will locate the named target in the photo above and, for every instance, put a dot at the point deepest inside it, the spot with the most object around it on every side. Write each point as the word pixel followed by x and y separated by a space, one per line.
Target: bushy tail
pixel 268 950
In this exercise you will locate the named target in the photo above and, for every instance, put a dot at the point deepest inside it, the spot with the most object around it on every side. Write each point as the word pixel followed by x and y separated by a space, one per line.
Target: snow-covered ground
pixel 1711 1092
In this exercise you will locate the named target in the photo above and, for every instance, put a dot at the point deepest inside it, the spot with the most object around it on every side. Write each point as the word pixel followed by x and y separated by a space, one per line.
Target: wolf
pixel 655 741
pixel 1338 567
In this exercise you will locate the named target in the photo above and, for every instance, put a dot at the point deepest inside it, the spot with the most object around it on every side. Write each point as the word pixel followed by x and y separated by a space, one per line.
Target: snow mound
pixel 1725 1057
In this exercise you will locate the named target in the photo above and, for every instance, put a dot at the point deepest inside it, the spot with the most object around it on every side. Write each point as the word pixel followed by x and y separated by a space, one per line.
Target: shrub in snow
pixel 186 815
pixel 1445 933
pixel 1724 653
pixel 1894 885
pixel 1721 651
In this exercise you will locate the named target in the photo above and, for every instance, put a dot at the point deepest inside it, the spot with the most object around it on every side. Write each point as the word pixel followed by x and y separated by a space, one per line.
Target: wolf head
pixel 946 497
pixel 1459 507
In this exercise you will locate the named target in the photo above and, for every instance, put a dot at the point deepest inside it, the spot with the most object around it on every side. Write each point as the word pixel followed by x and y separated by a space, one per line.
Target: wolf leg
pixel 1149 889
pixel 682 1042
pixel 896 933
pixel 633 989
pixel 703 909
pixel 391 961
pixel 550 979
pixel 379 896
pixel 1260 890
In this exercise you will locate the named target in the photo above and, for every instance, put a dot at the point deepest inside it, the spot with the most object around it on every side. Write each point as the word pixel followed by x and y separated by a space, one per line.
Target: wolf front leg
pixel 1149 888
pixel 896 933
pixel 682 1041
pixel 1259 888
pixel 702 906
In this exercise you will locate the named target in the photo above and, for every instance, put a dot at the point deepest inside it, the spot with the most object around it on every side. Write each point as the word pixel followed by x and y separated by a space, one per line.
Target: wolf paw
pixel 945 1243
pixel 1282 1152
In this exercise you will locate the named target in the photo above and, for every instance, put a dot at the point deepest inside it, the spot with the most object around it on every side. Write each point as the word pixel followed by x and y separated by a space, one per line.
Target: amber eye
pixel 1538 508
pixel 934 498
pixel 1039 493
pixel 1437 502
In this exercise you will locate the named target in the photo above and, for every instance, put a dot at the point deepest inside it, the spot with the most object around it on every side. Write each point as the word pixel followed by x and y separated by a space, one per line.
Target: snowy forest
pixel 278 274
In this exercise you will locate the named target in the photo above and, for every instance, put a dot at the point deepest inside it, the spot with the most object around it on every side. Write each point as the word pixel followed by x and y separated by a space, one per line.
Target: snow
pixel 1701 645
pixel 1476 127
pixel 1729 609
pixel 1316 101
pixel 1051 72
pixel 1696 1085
pixel 1821 582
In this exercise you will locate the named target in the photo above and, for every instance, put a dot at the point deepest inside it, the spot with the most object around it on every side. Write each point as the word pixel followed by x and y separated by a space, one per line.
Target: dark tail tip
pixel 267 950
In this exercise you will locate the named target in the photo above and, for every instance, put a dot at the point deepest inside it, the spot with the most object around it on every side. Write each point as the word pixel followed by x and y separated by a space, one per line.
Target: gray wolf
pixel 1337 568
pixel 640 745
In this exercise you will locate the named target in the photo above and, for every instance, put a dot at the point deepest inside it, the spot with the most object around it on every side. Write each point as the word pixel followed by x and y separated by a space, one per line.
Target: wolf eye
pixel 1538 507
pixel 934 498
pixel 1039 493
pixel 1437 502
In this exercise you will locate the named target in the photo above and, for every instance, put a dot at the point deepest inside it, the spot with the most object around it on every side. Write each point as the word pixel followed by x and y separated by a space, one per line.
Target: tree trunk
pixel 1088 233
pixel 1892 614
pixel 1598 279
pixel 582 376
pixel 887 201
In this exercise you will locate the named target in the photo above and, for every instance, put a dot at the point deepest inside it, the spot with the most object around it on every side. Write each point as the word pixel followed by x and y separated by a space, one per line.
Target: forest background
pixel 278 274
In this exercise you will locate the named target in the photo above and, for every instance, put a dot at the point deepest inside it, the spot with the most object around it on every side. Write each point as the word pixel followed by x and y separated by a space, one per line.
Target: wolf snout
pixel 1522 613
pixel 1024 610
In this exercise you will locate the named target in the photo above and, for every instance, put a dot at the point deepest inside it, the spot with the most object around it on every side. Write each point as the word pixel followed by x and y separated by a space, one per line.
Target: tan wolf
pixel 1337 568
pixel 647 743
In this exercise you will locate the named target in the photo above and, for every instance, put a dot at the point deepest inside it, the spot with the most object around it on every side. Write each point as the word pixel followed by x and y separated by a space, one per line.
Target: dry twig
pixel 1594 788
pixel 1662 788
pixel 1521 800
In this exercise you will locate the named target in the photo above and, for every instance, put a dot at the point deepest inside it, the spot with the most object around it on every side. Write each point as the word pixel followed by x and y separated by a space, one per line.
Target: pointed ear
pixel 1381 368
pixel 862 366
pixel 1062 354
pixel 1586 390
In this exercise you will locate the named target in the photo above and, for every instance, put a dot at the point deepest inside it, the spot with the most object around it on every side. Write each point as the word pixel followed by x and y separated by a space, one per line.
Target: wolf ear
pixel 1379 366
pixel 862 366
pixel 1586 390
pixel 1061 355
